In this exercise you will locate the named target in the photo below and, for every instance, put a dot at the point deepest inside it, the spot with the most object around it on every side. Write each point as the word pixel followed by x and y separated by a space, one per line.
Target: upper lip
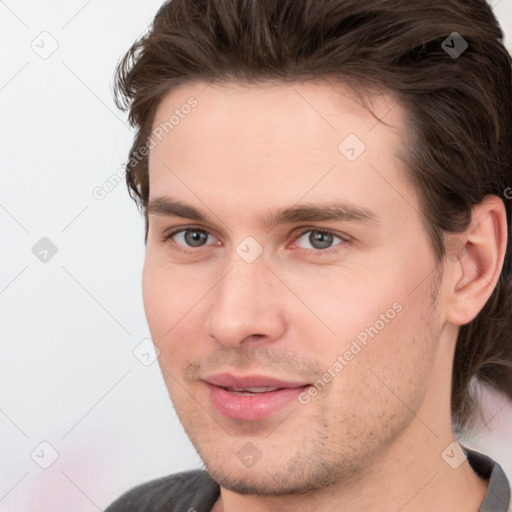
pixel 226 380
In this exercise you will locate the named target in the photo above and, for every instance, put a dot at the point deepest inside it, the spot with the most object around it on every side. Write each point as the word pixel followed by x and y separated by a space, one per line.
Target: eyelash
pixel 316 252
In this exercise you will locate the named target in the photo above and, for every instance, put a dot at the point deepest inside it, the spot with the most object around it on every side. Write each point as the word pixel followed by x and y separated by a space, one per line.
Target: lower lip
pixel 252 407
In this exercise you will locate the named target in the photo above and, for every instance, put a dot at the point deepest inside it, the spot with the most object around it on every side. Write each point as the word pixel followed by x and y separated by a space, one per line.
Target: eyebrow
pixel 323 211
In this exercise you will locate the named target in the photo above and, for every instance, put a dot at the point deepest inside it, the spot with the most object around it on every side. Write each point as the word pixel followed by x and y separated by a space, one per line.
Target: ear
pixel 475 264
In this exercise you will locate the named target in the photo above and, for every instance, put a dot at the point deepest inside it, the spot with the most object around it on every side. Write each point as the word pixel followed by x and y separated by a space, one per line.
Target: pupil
pixel 320 240
pixel 195 238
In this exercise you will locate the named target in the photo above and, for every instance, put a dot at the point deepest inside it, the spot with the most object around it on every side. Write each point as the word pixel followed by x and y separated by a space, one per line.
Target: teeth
pixel 251 390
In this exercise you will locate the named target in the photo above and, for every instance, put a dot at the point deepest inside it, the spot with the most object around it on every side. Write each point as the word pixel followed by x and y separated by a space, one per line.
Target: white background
pixel 69 326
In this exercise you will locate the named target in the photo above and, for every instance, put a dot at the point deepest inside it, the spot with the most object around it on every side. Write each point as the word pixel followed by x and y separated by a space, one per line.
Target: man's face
pixel 246 295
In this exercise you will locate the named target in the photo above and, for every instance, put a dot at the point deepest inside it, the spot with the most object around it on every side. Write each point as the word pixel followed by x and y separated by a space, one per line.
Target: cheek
pixel 156 300
pixel 388 377
pixel 168 291
pixel 165 298
pixel 173 303
pixel 356 305
pixel 400 360
pixel 384 324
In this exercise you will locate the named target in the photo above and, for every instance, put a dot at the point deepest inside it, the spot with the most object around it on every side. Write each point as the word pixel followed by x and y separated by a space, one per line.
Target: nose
pixel 246 306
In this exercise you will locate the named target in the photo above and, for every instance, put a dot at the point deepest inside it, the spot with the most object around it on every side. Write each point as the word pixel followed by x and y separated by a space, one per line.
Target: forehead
pixel 271 139
pixel 298 109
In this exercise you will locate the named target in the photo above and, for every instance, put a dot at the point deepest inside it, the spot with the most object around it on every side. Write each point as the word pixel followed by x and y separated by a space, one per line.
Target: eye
pixel 189 237
pixel 319 239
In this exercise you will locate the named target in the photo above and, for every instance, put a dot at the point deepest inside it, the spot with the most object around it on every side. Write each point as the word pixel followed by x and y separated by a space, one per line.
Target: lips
pixel 251 397
pixel 226 380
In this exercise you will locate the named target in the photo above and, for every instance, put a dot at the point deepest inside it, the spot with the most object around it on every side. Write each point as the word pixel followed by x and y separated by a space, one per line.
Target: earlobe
pixel 478 260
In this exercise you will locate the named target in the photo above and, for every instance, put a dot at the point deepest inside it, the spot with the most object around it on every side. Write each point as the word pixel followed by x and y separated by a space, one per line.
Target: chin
pixel 262 481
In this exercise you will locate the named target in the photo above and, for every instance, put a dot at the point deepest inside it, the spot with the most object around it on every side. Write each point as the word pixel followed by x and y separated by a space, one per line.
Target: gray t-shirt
pixel 196 491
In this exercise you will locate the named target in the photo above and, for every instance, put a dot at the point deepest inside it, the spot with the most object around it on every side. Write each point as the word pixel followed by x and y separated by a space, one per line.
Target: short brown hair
pixel 459 109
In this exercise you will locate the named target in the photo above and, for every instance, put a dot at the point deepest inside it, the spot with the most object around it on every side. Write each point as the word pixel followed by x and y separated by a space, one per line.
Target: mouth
pixel 251 397
pixel 250 391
